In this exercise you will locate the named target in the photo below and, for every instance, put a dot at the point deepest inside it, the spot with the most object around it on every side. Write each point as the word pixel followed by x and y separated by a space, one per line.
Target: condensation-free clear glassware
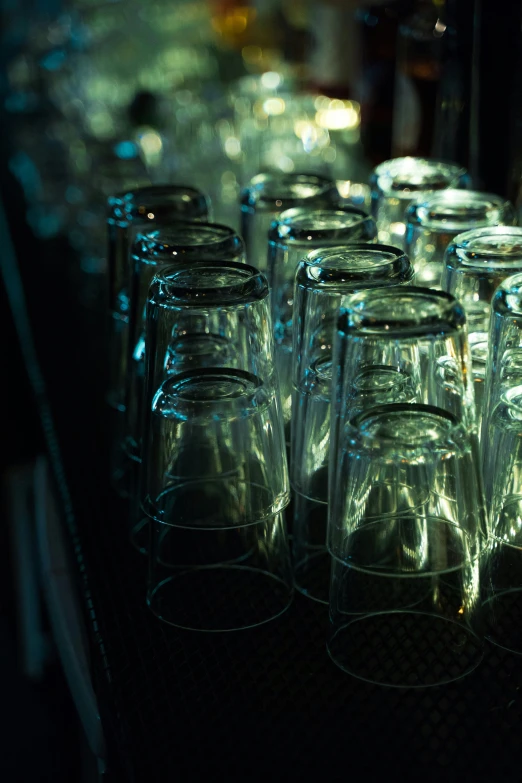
pixel 129 214
pixel 292 235
pixel 419 333
pixel 406 527
pixel 397 182
pixel 502 467
pixel 268 195
pixel 184 242
pixel 475 264
pixel 434 221
pixel 214 475
pixel 324 278
pixel 407 533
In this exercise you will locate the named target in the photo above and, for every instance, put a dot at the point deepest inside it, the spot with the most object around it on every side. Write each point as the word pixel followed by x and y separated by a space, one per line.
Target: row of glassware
pixel 302 406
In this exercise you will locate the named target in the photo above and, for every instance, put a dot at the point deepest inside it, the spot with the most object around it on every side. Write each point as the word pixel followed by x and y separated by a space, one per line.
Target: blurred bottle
pixel 378 28
pixel 418 72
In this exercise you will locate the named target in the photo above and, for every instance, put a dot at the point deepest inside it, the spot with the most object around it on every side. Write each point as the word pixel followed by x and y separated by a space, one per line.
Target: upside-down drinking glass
pixel 434 221
pixel 292 235
pixel 406 527
pixel 214 475
pixel 324 277
pixel 475 264
pixel 268 195
pixel 502 466
pixel 184 242
pixel 397 182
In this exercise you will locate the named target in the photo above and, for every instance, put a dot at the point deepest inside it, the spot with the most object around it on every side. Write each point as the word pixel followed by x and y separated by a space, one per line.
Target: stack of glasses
pixel 311 379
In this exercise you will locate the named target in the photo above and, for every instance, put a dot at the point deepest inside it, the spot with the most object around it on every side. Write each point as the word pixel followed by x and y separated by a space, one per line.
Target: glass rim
pixel 443 314
pixel 286 229
pixel 434 210
pixel 507 299
pixel 463 255
pixel 214 283
pixel 130 205
pixel 255 196
pixel 383 175
pixel 159 245
pixel 394 267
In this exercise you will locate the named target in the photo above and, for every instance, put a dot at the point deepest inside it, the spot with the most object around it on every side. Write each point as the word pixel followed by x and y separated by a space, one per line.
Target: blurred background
pixel 97 97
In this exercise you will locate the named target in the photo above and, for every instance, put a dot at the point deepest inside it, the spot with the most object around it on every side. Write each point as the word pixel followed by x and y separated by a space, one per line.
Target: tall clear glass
pixel 324 278
pixel 397 182
pixel 292 235
pixel 502 467
pixel 406 527
pixel 417 332
pixel 214 475
pixel 128 214
pixel 186 242
pixel 475 264
pixel 268 195
pixel 434 221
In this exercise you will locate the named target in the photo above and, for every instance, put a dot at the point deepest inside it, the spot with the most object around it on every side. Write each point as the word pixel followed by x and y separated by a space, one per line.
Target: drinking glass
pixel 97 171
pixel 397 182
pixel 502 467
pixel 292 235
pixel 475 264
pixel 268 195
pixel 434 221
pixel 214 475
pixel 406 533
pixel 324 277
pixel 406 526
pixel 129 214
pixel 184 242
